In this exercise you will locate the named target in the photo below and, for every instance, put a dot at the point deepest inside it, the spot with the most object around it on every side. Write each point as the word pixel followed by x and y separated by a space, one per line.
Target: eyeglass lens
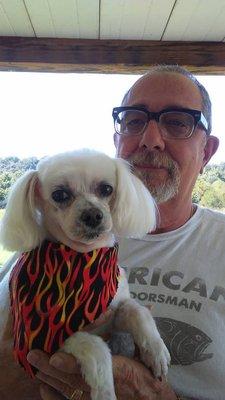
pixel 172 124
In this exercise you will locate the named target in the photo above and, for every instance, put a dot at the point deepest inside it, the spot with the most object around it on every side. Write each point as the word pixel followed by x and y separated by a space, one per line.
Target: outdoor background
pixel 43 114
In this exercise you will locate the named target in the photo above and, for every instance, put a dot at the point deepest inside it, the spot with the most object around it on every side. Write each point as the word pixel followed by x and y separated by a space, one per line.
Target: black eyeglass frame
pixel 198 116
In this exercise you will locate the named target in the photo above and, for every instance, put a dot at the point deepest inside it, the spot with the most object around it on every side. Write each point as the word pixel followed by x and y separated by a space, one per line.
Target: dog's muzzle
pixel 92 217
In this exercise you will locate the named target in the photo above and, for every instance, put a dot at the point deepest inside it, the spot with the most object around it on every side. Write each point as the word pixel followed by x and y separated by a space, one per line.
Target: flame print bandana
pixel 56 291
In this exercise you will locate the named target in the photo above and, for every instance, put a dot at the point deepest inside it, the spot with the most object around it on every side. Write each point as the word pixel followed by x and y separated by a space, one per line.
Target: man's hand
pixel 61 376
pixel 134 381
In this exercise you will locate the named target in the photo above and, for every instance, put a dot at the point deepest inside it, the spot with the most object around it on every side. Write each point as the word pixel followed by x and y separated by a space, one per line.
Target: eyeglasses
pixel 174 123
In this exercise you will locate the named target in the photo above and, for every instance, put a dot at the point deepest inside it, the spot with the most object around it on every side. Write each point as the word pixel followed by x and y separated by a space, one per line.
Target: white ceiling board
pixel 41 18
pixel 157 18
pixel 216 29
pixel 197 20
pixel 173 20
pixel 88 12
pixel 67 18
pixel 5 26
pixel 132 19
pixel 14 19
pixel 75 18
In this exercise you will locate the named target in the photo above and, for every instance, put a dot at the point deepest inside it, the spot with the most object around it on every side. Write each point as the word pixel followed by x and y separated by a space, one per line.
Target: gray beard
pixel 166 190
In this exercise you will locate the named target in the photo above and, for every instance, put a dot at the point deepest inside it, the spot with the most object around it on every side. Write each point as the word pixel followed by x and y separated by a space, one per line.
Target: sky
pixel 46 113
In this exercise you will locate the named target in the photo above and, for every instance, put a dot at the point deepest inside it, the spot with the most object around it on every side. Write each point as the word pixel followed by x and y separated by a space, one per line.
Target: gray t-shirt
pixel 182 274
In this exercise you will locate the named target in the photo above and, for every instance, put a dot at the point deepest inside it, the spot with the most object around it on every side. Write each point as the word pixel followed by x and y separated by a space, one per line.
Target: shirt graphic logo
pixel 185 343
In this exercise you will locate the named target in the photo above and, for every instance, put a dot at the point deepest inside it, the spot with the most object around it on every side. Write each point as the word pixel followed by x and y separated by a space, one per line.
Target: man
pixel 179 268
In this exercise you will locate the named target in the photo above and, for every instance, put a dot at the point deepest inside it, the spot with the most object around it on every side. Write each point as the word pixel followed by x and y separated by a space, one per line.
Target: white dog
pixel 82 199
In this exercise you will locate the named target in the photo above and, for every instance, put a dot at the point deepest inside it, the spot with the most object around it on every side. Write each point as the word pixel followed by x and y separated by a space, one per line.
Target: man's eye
pixel 105 190
pixel 135 123
pixel 176 122
pixel 61 196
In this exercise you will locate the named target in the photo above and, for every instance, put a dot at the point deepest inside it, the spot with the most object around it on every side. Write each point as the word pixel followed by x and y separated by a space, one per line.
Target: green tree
pixel 11 168
pixel 200 188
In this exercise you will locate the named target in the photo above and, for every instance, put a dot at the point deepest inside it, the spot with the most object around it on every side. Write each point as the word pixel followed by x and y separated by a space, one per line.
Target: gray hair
pixel 206 102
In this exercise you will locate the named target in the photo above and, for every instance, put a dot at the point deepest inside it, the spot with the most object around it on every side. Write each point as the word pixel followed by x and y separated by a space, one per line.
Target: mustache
pixel 156 159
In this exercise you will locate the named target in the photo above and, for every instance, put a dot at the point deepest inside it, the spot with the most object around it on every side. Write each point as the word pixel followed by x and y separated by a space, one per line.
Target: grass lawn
pixel 4 254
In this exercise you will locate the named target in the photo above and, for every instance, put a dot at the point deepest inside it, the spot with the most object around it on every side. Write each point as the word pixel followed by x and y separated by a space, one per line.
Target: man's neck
pixel 173 215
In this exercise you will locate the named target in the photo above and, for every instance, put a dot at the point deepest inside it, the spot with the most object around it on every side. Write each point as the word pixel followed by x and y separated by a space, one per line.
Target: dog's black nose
pixel 92 217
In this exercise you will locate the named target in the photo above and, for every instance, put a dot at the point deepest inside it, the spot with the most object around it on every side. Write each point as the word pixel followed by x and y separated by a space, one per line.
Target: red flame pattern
pixel 56 291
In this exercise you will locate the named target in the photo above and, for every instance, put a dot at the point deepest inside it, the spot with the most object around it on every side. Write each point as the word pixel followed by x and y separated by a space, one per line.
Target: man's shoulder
pixel 212 225
pixel 213 215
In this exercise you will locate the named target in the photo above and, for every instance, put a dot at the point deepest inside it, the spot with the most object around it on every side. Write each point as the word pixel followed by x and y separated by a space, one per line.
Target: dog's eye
pixel 104 189
pixel 61 196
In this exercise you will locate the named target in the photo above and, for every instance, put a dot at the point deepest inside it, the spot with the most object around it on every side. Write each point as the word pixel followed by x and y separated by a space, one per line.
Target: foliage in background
pixel 11 168
pixel 209 190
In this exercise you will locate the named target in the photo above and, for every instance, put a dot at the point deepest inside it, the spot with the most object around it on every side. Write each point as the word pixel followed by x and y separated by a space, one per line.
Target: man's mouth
pixel 149 167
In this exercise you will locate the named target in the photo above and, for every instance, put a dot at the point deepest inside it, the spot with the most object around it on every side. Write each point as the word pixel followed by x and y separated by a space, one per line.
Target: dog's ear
pixel 134 211
pixel 19 229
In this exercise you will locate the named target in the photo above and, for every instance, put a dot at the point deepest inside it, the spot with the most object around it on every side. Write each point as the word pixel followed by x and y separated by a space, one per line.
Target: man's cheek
pixel 125 149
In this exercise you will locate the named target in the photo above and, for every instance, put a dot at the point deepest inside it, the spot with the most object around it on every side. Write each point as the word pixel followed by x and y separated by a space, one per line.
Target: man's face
pixel 168 167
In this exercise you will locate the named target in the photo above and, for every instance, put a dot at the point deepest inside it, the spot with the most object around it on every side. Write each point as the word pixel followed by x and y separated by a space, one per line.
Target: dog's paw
pixel 155 355
pixel 94 358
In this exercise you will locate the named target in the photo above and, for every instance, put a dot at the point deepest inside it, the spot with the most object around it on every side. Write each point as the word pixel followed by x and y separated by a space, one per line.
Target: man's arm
pixel 62 375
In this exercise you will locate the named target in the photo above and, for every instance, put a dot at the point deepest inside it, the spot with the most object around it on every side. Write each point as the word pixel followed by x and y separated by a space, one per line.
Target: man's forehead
pixel 167 84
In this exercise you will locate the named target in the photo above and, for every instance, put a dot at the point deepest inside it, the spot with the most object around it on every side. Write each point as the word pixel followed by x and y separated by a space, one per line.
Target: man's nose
pixel 152 138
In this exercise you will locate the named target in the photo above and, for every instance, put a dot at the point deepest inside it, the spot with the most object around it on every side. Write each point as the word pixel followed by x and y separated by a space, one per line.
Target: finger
pixel 65 362
pixel 124 368
pixel 41 361
pixel 48 393
pixel 49 365
pixel 156 384
pixel 64 384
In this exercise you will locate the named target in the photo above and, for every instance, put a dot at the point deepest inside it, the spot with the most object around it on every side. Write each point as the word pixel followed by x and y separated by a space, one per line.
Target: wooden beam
pixel 108 56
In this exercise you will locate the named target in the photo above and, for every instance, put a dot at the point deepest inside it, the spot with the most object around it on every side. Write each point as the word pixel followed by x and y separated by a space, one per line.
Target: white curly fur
pixel 23 226
pixel 32 215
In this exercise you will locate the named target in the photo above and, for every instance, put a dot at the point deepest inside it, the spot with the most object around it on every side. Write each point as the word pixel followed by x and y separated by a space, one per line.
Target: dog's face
pixel 76 196
pixel 81 199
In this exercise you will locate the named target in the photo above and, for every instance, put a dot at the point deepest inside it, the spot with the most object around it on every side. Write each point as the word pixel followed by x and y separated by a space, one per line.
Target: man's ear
pixel 210 149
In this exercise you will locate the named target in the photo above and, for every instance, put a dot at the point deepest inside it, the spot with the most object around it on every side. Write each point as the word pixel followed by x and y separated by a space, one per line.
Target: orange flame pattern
pixel 56 291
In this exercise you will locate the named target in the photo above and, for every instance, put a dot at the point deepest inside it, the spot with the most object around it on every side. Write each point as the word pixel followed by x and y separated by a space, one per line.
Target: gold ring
pixel 76 395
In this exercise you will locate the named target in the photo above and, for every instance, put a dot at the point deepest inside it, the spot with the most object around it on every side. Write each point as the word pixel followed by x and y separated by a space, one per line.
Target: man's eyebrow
pixel 177 107
pixel 168 106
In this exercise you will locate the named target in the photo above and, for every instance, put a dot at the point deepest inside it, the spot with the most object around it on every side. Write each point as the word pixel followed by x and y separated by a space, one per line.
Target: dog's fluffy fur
pixel 83 199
